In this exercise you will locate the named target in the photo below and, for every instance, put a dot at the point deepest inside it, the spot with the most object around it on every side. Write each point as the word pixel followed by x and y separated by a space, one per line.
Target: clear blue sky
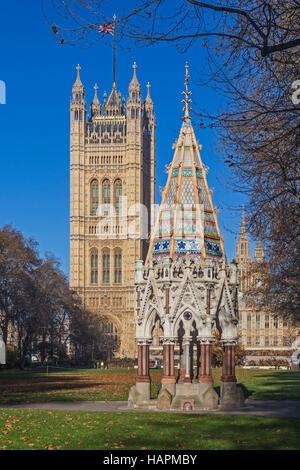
pixel 34 122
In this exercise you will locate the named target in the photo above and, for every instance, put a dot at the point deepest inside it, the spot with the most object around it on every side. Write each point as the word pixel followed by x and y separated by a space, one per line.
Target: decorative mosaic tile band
pixel 175 172
pixel 165 226
pixel 162 246
pixel 187 172
pixel 179 257
pixel 158 259
pixel 186 227
pixel 213 248
pixel 210 228
pixel 183 246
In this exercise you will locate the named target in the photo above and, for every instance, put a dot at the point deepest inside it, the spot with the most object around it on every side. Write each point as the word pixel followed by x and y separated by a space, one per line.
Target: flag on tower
pixel 107 28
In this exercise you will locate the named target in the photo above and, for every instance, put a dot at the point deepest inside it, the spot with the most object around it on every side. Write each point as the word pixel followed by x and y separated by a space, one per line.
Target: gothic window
pixel 257 340
pixel 275 322
pixel 242 249
pixel 267 321
pixel 105 266
pixel 76 115
pixel 111 334
pixel 248 321
pixel 275 341
pixel 118 194
pixel 94 267
pixel 106 196
pixel 258 321
pixel 94 197
pixel 118 267
pixel 132 113
pixel 248 341
pixel 267 341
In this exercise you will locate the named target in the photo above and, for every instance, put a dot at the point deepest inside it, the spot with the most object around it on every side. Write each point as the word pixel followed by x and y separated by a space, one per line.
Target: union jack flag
pixel 107 28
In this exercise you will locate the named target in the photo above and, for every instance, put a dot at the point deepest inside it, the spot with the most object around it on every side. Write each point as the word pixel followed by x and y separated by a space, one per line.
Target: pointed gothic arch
pixel 94 196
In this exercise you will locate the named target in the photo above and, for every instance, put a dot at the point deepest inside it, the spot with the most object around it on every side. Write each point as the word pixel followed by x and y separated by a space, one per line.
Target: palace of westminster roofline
pixel 109 118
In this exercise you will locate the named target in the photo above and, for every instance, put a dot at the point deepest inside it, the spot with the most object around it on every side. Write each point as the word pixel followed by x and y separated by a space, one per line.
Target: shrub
pixel 13 357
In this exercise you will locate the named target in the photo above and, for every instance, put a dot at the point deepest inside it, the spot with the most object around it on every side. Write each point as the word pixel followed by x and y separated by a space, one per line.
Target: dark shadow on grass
pixel 31 388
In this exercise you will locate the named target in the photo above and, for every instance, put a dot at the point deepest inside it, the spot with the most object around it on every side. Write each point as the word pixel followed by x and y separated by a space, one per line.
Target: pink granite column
pixel 228 370
pixel 143 363
pixel 168 362
pixel 205 371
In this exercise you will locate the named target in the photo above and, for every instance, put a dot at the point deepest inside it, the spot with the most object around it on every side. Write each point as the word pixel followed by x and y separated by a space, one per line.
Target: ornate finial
pixel 114 17
pixel 148 92
pixel 243 225
pixel 78 83
pixel 186 93
pixel 95 100
pixel 134 84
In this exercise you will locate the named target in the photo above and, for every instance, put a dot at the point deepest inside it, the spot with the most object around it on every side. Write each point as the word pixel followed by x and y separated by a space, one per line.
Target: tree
pixel 17 256
pixel 39 309
pixel 263 26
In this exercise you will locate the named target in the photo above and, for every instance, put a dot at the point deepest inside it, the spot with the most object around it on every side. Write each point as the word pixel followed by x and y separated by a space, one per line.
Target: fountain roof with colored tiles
pixel 187 221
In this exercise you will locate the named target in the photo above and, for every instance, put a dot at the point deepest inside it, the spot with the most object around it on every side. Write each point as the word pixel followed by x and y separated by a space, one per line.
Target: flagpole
pixel 114 53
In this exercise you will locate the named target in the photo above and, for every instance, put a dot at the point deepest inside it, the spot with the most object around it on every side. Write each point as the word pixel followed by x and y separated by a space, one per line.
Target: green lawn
pixel 41 429
pixel 114 384
pixel 52 430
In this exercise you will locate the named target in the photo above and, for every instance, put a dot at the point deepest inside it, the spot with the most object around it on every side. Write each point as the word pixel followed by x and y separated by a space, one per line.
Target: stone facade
pixel 258 328
pixel 112 171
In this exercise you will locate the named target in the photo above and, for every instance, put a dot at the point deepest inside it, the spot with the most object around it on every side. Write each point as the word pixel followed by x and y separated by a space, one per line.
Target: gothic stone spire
pixel 187 221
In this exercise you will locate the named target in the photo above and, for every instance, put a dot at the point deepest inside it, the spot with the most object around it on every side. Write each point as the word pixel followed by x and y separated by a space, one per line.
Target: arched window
pixel 242 249
pixel 105 266
pixel 94 266
pixel 106 196
pixel 94 196
pixel 118 194
pixel 118 267
pixel 111 337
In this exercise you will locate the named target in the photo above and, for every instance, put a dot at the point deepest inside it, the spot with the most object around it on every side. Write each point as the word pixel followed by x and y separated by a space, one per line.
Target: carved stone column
pixel 139 394
pixel 231 395
pixel 208 396
pixel 143 361
pixel 205 370
pixel 228 370
pixel 186 347
pixel 168 361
